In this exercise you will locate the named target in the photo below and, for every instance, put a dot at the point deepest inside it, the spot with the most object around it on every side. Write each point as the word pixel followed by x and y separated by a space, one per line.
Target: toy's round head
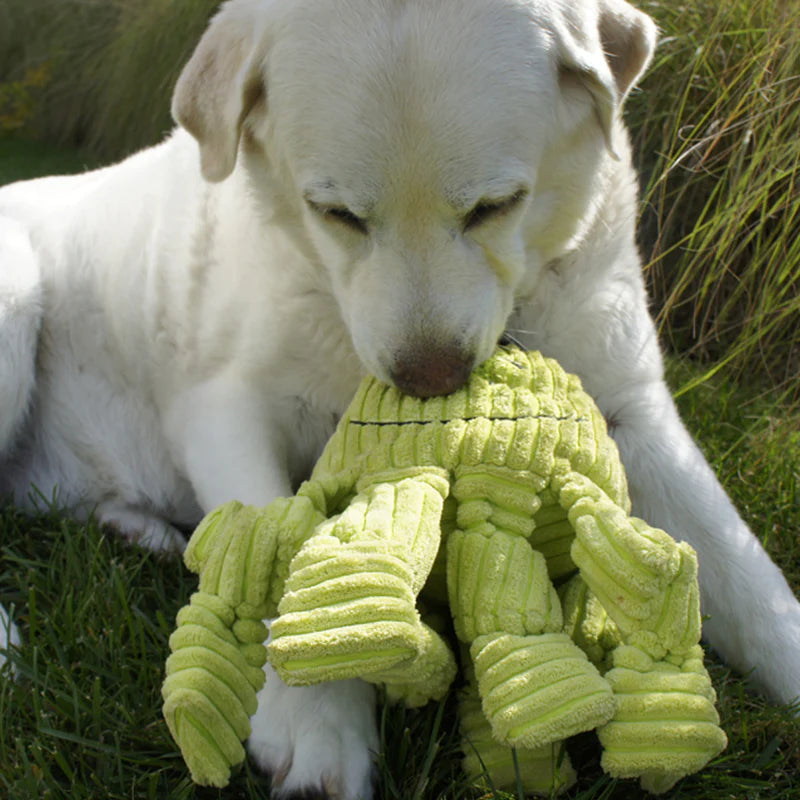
pixel 518 410
pixel 512 384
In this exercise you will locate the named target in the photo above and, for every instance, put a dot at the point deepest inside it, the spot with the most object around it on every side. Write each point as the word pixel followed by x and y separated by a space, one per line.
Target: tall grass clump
pixel 110 66
pixel 716 132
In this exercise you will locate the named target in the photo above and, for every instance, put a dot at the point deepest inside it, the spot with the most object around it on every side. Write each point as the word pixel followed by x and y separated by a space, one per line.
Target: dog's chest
pixel 317 379
pixel 308 432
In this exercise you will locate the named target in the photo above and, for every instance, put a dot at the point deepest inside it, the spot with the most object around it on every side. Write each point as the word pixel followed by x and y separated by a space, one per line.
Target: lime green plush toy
pixel 486 500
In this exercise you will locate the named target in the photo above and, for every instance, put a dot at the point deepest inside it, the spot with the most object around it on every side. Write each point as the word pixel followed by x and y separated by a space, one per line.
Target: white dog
pixel 379 186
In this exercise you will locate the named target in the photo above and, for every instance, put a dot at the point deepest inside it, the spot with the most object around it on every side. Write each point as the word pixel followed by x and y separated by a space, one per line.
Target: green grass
pixel 95 73
pixel 715 127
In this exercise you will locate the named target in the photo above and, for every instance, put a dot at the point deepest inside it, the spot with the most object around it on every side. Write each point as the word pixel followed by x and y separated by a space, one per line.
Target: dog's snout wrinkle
pixel 431 371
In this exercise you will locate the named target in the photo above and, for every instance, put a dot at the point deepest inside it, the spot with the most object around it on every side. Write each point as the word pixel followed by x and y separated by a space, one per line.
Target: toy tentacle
pixel 349 609
pixel 545 770
pixel 645 579
pixel 242 553
pixel 496 581
pixel 536 686
pixel 215 668
pixel 212 677
pixel 539 688
pixel 665 725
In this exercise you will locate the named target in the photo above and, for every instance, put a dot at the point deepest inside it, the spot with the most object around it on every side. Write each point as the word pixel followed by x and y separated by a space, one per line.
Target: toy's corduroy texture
pixel 218 653
pixel 517 475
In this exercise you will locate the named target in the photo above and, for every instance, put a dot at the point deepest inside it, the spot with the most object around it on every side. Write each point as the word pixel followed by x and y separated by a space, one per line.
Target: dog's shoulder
pixel 134 180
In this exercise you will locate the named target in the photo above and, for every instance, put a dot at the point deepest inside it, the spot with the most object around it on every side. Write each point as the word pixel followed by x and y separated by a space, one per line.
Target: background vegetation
pixel 95 74
pixel 715 129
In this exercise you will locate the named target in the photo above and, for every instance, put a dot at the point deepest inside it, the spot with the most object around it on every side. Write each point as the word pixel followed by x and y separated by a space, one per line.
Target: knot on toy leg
pixel 545 770
pixel 538 689
pixel 666 725
pixel 349 607
pixel 242 552
pixel 643 578
pixel 427 677
pixel 213 674
pixel 496 582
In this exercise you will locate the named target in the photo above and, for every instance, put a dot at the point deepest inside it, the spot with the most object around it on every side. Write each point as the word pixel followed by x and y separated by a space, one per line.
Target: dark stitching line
pixel 467 419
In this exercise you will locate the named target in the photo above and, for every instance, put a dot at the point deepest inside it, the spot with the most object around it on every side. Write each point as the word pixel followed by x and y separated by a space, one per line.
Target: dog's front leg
pixel 314 740
pixel 227 438
pixel 753 616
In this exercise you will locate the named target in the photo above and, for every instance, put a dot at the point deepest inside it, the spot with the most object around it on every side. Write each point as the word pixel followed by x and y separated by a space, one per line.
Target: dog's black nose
pixel 432 371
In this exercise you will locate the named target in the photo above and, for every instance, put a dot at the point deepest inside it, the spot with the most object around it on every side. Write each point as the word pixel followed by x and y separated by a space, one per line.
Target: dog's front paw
pixel 316 741
pixel 9 636
pixel 141 528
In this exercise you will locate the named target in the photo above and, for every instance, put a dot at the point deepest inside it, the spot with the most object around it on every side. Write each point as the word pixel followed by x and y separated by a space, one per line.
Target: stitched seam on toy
pixel 468 419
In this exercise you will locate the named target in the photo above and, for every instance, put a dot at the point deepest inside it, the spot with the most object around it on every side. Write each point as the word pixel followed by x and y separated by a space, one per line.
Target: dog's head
pixel 437 154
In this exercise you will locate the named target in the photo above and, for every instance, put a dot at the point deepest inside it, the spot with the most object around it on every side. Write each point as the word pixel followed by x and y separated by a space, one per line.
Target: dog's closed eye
pixel 485 210
pixel 340 215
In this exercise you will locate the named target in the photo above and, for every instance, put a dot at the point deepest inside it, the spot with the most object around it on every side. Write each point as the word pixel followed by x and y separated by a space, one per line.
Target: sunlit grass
pixel 20 159
pixel 716 125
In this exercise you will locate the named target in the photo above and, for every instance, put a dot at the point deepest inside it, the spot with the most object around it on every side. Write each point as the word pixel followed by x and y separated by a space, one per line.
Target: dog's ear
pixel 607 46
pixel 219 86
pixel 628 37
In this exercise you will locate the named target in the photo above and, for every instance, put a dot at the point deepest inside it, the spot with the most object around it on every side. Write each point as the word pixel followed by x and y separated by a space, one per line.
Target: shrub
pixel 17 98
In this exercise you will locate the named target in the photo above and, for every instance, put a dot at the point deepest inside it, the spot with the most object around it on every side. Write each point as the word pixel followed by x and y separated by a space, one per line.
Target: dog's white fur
pixel 183 328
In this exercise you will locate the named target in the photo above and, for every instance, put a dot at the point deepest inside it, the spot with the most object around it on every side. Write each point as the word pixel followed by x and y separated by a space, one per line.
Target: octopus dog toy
pixel 506 501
